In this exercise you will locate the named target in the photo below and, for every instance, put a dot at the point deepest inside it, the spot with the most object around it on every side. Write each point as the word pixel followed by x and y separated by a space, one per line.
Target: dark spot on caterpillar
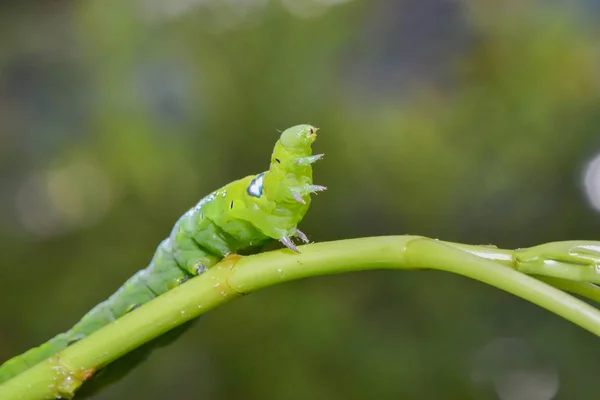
pixel 312 131
pixel 231 205
pixel 278 161
pixel 133 307
pixel 73 341
pixel 202 215
pixel 200 269
pixel 183 280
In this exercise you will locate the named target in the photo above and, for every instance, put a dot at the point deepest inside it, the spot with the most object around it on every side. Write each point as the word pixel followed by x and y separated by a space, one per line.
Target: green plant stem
pixel 583 289
pixel 63 373
pixel 557 275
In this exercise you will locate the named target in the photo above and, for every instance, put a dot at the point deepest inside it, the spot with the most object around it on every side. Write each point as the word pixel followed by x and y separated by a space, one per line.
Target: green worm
pixel 239 218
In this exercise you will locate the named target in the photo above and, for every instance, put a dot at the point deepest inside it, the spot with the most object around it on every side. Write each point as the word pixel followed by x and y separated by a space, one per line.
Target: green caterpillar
pixel 238 218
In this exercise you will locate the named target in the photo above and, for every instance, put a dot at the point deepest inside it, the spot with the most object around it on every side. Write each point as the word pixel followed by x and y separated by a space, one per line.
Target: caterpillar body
pixel 237 218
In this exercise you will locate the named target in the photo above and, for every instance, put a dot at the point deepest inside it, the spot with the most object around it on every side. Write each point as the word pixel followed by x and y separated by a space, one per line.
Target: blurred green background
pixel 470 121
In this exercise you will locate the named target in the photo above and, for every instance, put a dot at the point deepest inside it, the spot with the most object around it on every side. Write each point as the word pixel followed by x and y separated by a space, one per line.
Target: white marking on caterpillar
pixel 201 203
pixel 256 186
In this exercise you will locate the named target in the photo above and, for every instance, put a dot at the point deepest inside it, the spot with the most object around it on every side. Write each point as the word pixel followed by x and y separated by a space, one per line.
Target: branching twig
pixel 62 374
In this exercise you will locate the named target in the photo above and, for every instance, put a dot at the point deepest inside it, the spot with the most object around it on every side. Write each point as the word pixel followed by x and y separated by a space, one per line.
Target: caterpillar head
pixel 299 136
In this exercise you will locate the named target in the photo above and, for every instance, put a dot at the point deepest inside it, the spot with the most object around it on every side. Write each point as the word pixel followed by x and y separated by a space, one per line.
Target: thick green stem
pixel 63 373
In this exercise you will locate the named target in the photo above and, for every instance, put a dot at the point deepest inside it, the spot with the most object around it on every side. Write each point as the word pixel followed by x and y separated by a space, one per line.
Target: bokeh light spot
pixel 591 182
pixel 56 201
pixel 514 370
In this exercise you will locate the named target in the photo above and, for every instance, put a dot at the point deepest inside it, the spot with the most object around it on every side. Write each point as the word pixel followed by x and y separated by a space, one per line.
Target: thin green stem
pixel 568 276
pixel 63 373
pixel 583 289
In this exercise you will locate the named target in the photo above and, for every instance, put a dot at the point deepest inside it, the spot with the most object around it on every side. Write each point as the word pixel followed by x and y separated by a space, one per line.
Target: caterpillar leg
pixel 200 267
pixel 290 245
pixel 298 197
pixel 302 236
pixel 287 242
pixel 309 160
pixel 299 192
pixel 308 189
pixel 316 188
